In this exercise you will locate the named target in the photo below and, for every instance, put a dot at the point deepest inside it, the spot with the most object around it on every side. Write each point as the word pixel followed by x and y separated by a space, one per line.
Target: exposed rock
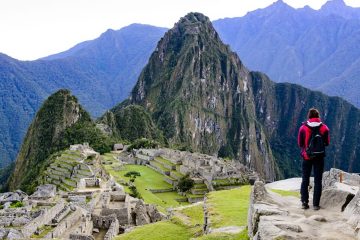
pixel 272 216
pixel 289 226
pixel 154 214
pixel 7 205
pixel 20 221
pixel 318 218
pixel 44 192
pixel 12 197
pixel 330 178
pixel 142 216
pixel 334 198
pixel 75 198
pixel 3 233
pixel 352 211
pixel 14 234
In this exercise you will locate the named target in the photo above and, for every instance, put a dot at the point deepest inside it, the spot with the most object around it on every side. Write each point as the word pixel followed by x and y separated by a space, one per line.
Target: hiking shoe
pixel 316 208
pixel 305 206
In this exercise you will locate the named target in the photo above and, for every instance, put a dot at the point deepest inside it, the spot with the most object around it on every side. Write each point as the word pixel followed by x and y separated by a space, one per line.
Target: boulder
pixel 330 178
pixel 45 191
pixel 154 214
pixel 335 198
pixel 352 211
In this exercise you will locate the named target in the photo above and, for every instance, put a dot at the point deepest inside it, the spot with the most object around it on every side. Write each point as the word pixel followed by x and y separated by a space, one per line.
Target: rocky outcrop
pixel 146 213
pixel 44 192
pixel 17 196
pixel 272 216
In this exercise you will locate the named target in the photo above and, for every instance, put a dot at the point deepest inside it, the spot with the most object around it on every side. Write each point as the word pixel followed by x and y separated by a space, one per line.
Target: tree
pixel 185 183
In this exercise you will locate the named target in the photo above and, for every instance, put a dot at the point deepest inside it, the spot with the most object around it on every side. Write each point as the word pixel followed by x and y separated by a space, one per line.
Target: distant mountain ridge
pixel 100 72
pixel 316 49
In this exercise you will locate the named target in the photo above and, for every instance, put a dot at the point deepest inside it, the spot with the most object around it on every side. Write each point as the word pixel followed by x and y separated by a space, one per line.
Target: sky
pixel 31 29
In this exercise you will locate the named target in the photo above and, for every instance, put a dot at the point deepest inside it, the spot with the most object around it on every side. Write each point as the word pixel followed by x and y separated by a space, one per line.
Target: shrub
pixel 185 183
pixel 143 143
pixel 17 204
pixel 134 192
pixel 132 174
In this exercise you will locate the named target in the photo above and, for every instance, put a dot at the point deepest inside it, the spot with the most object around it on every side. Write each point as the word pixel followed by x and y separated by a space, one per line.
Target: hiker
pixel 312 139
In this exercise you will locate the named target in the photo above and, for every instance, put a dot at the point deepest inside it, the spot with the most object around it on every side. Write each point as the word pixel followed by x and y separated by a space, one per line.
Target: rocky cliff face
pixel 59 112
pixel 282 108
pixel 200 95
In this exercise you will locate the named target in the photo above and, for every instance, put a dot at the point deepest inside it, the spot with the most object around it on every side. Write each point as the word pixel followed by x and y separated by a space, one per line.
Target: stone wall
pixel 43 219
pixel 81 237
pixel 66 224
pixel 103 222
pixel 122 214
pixel 113 230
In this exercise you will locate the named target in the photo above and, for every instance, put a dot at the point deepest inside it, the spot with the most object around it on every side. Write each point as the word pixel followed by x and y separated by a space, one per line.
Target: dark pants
pixel 307 165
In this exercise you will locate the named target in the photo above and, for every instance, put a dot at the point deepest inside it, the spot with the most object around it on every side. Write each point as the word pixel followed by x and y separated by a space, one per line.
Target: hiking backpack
pixel 316 145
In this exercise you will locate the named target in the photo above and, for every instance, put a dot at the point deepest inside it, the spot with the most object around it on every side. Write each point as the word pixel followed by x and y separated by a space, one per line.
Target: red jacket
pixel 305 134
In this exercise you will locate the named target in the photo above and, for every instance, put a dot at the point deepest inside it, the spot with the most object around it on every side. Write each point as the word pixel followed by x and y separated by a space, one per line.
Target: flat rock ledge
pixel 272 216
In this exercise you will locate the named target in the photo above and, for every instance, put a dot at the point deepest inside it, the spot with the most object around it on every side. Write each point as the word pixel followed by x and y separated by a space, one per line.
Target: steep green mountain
pixel 202 97
pixel 61 121
pixel 100 72
pixel 199 94
pixel 131 122
pixel 317 49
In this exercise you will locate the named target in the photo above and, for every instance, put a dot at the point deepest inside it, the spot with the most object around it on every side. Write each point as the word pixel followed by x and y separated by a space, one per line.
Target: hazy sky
pixel 31 29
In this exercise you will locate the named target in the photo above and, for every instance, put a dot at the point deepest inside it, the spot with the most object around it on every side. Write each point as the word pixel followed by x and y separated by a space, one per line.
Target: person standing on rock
pixel 312 138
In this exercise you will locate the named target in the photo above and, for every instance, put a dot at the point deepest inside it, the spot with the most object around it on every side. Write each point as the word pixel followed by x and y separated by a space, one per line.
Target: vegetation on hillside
pixel 61 121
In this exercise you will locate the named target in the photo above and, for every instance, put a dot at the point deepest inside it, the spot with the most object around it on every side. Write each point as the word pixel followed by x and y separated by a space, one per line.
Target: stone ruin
pixel 101 205
pixel 208 172
pixel 271 216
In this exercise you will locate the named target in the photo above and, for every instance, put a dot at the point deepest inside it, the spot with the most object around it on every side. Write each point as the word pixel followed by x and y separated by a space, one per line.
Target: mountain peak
pixel 280 4
pixel 334 3
pixel 192 23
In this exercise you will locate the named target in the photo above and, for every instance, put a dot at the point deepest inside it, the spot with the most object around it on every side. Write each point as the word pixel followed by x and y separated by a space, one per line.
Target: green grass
pixel 225 236
pixel 229 207
pixel 195 214
pixel 165 230
pixel 285 193
pixel 178 174
pixel 45 230
pixel 160 166
pixel 163 160
pixel 149 179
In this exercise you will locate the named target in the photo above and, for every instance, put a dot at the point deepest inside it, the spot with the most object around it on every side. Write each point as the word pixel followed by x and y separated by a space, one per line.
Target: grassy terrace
pixel 161 230
pixel 178 174
pixel 229 207
pixel 149 179
pixel 160 166
pixel 165 161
